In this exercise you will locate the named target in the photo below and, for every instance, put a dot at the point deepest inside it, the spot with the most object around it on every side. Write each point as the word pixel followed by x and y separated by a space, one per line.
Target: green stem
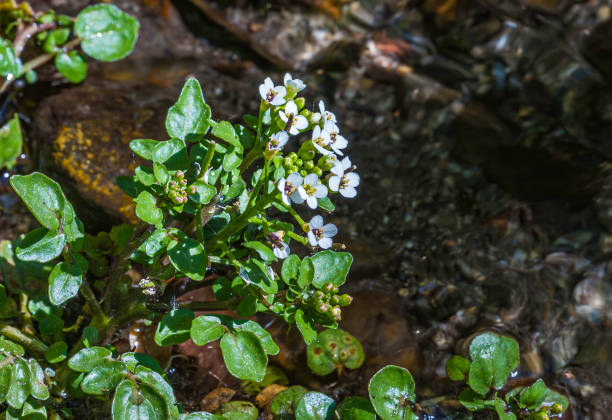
pixel 255 152
pixel 28 327
pixel 92 301
pixel 296 237
pixel 294 213
pixel 199 227
pixel 263 177
pixel 31 343
pixel 208 158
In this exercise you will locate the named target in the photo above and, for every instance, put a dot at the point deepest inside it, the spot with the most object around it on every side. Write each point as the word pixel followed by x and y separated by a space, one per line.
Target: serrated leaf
pixel 188 117
pixel 107 33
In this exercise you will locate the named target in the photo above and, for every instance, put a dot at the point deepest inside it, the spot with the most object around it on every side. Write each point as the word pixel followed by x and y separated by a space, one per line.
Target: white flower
pixel 280 248
pixel 290 188
pixel 278 140
pixel 296 84
pixel 294 121
pixel 327 116
pixel 315 117
pixel 319 142
pixel 319 234
pixel 342 182
pixel 311 190
pixel 331 132
pixel 274 95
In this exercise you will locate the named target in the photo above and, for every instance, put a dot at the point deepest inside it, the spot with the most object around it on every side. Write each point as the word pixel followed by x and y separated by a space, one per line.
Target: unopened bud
pixel 324 307
pixel 345 300
pixel 193 189
pixel 556 408
pixel 315 117
pixel 180 174
pixel 336 312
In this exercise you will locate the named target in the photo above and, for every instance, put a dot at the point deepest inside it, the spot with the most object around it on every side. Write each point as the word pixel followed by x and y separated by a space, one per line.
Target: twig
pixel 31 343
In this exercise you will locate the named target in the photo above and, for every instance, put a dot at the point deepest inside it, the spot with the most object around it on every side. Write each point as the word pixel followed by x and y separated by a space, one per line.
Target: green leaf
pixel 205 329
pixel 222 288
pixel 356 408
pixel 232 159
pixel 284 404
pixel 334 348
pixel 55 38
pixel 172 154
pixel 188 256
pixel 85 360
pixel 471 400
pixel 57 352
pixel 326 204
pixel 200 415
pixel 10 347
pixel 11 142
pixel 331 267
pixel 315 406
pixel 204 192
pixel 307 326
pixel 107 33
pixel 247 306
pixel 159 384
pixel 144 147
pixel 538 395
pixel 493 358
pixel 64 282
pixel 290 268
pixel 72 66
pixel 145 175
pixel 260 332
pixel 307 272
pixel 38 389
pixel 90 336
pixel 188 117
pixel 42 196
pixel 225 131
pixel 41 245
pixel 391 389
pixel 138 403
pixel 174 327
pixel 20 384
pixel 239 410
pixel 256 273
pixel 244 355
pixel 6 374
pixel 457 368
pixel 264 251
pixel 10 64
pixel 104 377
pixel 132 360
pixel 146 209
pixel 500 409
pixel 32 410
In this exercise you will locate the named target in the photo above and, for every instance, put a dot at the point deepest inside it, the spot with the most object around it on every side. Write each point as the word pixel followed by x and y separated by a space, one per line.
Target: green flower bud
pixel 293 156
pixel 336 312
pixel 328 287
pixel 317 171
pixel 540 415
pixel 345 300
pixel 300 102
pixel 303 172
pixel 308 165
pixel 324 307
pixel 180 174
pixel 299 163
pixel 556 409
pixel 334 300
pixel 287 162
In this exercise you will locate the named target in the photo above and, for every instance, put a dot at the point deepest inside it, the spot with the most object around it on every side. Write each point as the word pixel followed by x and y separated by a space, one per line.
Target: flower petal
pixel 300 122
pixel 295 179
pixel 312 239
pixel 330 230
pixel 312 202
pixel 291 108
pixel 348 192
pixel 316 222
pixel 322 107
pixel 325 243
pixel 346 163
pixel 334 183
pixel 311 179
pixel 297 198
pixel 337 169
pixel 302 193
pixel 263 91
pixel 352 179
pixel 287 78
pixel 321 191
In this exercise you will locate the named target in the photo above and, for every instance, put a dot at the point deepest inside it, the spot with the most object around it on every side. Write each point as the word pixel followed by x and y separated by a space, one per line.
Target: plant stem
pixel 255 152
pixel 24 35
pixel 291 211
pixel 27 316
pixel 140 234
pixel 33 344
pixel 92 301
pixel 208 158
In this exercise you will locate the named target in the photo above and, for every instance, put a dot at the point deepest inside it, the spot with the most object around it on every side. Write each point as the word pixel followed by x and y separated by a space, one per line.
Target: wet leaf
pixel 146 209
pixel 188 117
pixel 334 348
pixel 132 402
pixel 204 192
pixel 255 272
pixel 20 384
pixel 356 408
pixel 225 131
pixel 10 347
pixel 144 147
pixel 290 268
pixel 239 410
pixel 38 387
pixel 55 38
pixel 188 256
pixel 264 336
pixel 104 377
pixel 10 64
pixel 205 329
pixel 244 355
pixel 86 359
pixel 11 142
pixel 331 267
pixel 457 368
pixel 493 358
pixel 391 389
pixel 107 33
pixel 174 327
pixel 42 196
pixel 471 400
pixel 283 406
pixel 500 409
pixel 133 360
pixel 41 245
pixel 307 272
pixel 64 282
pixel 57 352
pixel 315 406
pixel 72 66
pixel 6 374
pixel 172 154
pixel 538 395
pixel 307 326
pixel 90 336
pixel 159 384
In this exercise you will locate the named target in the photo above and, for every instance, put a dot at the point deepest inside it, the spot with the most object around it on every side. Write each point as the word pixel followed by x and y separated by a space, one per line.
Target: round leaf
pixel 138 403
pixel 356 408
pixel 205 329
pixel 188 257
pixel 244 356
pixel 72 66
pixel 143 147
pixel 146 209
pixel 174 327
pixel 391 391
pixel 203 192
pixel 331 267
pixel 107 33
pixel 457 368
pixel 86 359
pixel 64 282
pixel 20 384
pixel 284 404
pixel 493 358
pixel 57 352
pixel 42 196
pixel 315 406
pixel 39 389
pixel 9 62
pixel 104 377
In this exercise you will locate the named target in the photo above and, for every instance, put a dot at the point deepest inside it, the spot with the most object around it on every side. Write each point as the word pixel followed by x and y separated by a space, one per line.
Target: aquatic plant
pixel 102 32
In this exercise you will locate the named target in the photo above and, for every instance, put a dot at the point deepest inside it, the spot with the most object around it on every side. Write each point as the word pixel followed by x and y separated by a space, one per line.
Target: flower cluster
pixel 318 169
pixel 178 188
